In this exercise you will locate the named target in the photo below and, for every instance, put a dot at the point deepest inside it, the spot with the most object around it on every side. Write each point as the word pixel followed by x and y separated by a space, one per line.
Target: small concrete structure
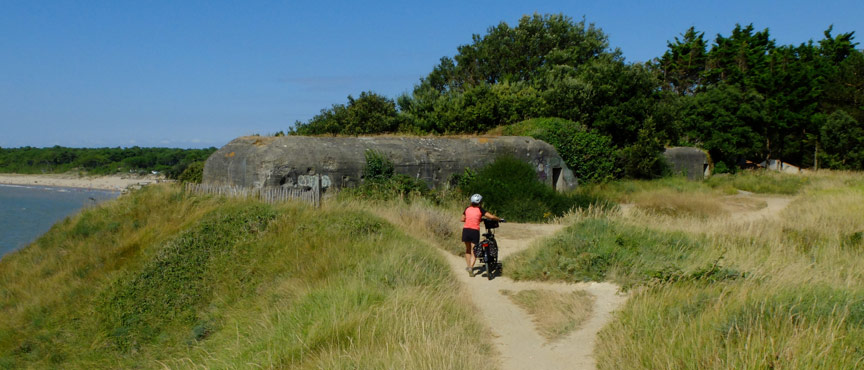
pixel 293 161
pixel 688 161
pixel 780 166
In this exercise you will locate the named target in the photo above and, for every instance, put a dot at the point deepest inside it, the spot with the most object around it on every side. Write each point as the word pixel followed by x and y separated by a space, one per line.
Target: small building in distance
pixel 297 161
pixel 688 161
pixel 780 166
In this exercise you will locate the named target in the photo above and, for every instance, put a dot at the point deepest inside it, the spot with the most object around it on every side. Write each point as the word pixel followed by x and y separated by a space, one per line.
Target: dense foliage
pixel 172 162
pixel 511 190
pixel 745 98
pixel 589 154
pixel 370 113
pixel 741 97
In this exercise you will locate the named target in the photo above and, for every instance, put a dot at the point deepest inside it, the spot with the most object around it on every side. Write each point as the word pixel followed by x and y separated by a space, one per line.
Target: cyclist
pixel 471 216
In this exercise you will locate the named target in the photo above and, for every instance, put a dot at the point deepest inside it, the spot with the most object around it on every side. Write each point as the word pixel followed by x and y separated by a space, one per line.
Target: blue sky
pixel 200 73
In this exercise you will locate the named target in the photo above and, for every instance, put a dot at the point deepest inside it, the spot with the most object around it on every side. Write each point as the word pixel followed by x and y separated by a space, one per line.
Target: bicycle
pixel 487 250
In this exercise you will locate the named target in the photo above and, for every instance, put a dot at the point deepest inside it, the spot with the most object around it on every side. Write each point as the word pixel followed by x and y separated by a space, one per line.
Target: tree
pixel 727 122
pixel 844 88
pixel 842 139
pixel 741 58
pixel 548 65
pixel 369 114
pixel 681 67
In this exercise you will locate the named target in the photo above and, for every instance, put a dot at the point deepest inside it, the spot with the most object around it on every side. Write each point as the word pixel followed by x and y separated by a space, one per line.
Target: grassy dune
pixel 712 291
pixel 159 278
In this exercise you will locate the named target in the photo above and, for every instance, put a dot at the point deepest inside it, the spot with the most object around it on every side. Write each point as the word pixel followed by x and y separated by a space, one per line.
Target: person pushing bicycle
pixel 471 216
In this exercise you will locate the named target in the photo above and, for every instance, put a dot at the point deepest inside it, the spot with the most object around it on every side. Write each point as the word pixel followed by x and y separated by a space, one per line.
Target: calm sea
pixel 29 211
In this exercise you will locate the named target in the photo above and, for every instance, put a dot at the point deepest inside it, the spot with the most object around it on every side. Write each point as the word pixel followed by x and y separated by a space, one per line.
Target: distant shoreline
pixel 113 182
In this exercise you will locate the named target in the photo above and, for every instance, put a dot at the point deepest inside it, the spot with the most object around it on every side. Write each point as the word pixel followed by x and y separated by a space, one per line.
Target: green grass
pixel 719 293
pixel 762 182
pixel 600 249
pixel 734 325
pixel 159 278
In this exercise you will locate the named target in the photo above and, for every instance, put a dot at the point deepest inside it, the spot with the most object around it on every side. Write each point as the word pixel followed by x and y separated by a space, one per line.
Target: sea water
pixel 29 211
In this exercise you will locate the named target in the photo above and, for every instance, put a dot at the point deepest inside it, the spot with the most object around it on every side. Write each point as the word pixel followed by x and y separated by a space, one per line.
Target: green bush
pixel 511 190
pixel 193 173
pixel 589 154
pixel 644 158
pixel 378 167
pixel 380 180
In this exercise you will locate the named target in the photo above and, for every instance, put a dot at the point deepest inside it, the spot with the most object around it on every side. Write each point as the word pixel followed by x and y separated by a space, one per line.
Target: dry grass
pixel 555 314
pixel 438 225
pixel 332 288
pixel 784 290
pixel 673 203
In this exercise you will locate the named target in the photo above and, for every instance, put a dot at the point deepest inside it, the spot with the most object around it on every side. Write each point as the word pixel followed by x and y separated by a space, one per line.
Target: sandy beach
pixel 114 182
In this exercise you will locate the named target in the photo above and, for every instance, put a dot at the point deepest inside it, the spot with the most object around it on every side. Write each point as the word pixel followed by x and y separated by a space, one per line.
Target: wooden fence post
pixel 318 191
pixel 269 195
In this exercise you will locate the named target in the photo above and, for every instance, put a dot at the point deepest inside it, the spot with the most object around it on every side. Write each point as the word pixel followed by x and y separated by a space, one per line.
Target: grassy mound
pixel 159 278
pixel 599 249
pixel 720 293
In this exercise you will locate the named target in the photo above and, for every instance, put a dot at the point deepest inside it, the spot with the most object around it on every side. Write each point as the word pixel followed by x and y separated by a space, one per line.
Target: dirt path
pixel 521 346
pixel 773 207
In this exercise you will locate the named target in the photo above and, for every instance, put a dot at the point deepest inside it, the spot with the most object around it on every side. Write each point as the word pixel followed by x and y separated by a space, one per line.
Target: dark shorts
pixel 471 235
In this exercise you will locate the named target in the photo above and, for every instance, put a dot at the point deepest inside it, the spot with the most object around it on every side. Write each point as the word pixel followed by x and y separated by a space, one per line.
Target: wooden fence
pixel 311 195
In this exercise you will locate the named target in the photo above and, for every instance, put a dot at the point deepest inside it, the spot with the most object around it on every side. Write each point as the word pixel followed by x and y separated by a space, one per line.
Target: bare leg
pixel 469 255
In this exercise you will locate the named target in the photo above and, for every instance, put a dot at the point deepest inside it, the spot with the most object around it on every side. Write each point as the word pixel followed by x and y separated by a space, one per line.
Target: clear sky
pixel 200 73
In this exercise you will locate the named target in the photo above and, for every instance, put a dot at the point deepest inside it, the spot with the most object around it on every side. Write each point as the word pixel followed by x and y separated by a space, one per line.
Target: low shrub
pixel 511 190
pixel 380 180
pixel 194 173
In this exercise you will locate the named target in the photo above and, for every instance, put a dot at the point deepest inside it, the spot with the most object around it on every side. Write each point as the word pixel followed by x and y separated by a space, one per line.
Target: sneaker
pixel 470 271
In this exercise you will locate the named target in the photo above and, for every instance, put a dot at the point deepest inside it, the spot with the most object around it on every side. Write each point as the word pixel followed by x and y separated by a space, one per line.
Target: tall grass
pixel 764 182
pixel 723 291
pixel 601 249
pixel 159 278
pixel 555 314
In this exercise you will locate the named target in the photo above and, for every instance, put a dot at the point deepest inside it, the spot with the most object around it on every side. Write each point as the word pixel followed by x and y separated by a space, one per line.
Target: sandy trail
pixel 521 346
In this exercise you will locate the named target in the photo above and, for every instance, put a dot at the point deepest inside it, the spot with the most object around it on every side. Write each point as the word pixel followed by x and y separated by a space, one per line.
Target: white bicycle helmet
pixel 476 198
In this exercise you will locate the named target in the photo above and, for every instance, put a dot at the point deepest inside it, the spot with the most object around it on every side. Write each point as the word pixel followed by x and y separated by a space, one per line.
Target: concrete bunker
pixel 690 162
pixel 296 161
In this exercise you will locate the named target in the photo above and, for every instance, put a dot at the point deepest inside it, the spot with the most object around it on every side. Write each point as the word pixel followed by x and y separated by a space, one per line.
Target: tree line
pixel 171 162
pixel 740 97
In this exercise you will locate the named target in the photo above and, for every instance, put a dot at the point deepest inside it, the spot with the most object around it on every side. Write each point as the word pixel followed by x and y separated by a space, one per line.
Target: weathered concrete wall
pixel 691 162
pixel 290 160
